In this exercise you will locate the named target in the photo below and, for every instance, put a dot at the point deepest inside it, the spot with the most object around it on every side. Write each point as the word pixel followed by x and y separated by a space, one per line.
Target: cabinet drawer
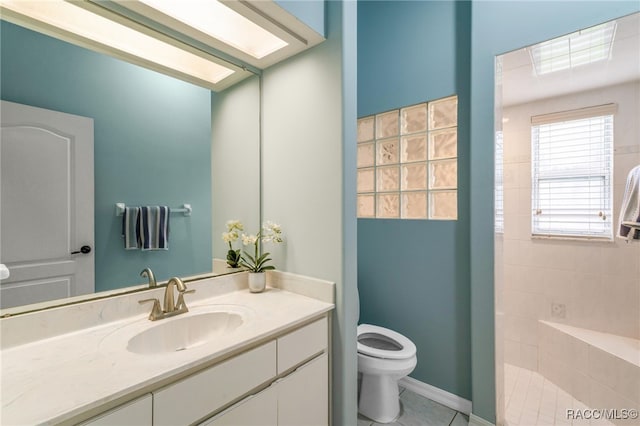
pixel 137 412
pixel 256 410
pixel 302 344
pixel 194 397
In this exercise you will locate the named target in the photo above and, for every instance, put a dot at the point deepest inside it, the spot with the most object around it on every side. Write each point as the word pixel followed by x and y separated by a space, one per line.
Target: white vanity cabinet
pixel 198 395
pixel 137 412
pixel 303 396
pixel 260 409
pixel 284 381
pixel 299 394
pixel 274 368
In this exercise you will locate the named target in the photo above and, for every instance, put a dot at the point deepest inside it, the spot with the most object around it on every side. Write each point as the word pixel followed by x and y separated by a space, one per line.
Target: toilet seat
pixel 391 345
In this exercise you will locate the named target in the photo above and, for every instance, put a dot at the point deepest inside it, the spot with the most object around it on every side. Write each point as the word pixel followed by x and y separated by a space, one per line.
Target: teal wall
pixel 413 275
pixel 311 12
pixel 499 27
pixel 345 398
pixel 152 145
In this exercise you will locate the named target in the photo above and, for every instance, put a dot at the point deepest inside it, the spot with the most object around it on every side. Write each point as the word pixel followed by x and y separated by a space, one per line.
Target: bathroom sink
pixel 181 333
pixel 201 325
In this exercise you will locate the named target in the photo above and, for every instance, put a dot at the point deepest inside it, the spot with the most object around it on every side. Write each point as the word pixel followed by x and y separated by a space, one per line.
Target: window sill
pixel 571 238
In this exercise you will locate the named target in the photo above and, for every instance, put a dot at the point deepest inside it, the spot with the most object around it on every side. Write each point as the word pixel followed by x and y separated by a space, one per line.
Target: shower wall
pixel 588 284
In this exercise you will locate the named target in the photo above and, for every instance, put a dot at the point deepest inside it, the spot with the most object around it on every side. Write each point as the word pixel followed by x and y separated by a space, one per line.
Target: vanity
pixel 235 358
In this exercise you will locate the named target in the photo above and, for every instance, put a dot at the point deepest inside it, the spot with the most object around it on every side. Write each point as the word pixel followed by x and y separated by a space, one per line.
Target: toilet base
pixel 379 398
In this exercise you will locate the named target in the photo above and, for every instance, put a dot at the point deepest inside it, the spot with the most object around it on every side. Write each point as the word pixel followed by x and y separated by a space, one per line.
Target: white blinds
pixel 588 112
pixel 572 167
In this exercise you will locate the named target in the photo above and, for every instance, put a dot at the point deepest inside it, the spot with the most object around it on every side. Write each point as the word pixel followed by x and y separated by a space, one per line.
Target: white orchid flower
pixel 271 232
pixel 234 224
pixel 249 239
pixel 230 237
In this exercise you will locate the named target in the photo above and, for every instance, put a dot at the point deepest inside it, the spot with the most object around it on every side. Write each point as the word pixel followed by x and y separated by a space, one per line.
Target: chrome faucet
pixel 170 308
pixel 147 272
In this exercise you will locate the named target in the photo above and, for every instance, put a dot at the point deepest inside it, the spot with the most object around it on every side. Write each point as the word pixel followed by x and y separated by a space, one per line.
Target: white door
pixel 46 204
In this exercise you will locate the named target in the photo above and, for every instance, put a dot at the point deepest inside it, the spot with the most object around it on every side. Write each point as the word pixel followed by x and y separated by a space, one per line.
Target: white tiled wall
pixel 597 282
pixel 589 371
pixel 499 330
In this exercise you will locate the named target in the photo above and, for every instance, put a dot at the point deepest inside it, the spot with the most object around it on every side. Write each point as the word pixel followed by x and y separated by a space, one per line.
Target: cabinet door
pixel 134 413
pixel 256 410
pixel 303 396
pixel 198 396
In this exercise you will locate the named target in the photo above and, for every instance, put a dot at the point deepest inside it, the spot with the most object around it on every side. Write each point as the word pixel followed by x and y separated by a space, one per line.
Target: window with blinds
pixel 572 165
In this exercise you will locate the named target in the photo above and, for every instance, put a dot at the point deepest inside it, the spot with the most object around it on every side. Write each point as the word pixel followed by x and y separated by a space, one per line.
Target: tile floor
pixel 416 410
pixel 532 400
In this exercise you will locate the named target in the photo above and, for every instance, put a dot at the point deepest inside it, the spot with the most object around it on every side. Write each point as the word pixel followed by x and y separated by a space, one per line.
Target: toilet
pixel 384 357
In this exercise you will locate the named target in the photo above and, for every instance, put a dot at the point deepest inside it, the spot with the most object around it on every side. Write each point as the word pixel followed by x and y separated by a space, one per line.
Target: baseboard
pixel 478 421
pixel 438 395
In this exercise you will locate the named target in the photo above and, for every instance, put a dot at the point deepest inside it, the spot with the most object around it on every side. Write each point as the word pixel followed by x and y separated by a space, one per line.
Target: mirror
pixel 157 141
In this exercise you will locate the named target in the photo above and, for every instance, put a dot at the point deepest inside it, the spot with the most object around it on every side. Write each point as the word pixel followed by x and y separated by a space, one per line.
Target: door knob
pixel 83 250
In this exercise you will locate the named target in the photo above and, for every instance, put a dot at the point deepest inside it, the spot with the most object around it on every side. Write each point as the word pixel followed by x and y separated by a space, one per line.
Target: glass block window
pixel 572 164
pixel 408 162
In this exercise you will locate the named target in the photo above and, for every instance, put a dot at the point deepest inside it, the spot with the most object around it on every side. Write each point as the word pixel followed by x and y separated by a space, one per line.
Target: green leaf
pixel 246 255
pixel 263 261
pixel 233 257
pixel 259 259
pixel 249 262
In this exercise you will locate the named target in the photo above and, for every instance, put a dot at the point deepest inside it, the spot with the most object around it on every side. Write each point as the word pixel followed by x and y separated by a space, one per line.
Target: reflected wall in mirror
pixel 567 138
pixel 157 141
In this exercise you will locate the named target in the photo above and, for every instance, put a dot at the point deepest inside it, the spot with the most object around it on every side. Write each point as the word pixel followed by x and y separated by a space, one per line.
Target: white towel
pixel 4 272
pixel 154 227
pixel 130 228
pixel 630 210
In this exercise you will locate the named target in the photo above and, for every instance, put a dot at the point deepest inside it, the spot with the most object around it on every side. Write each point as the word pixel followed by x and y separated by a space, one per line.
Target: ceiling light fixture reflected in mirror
pixel 217 20
pixel 573 50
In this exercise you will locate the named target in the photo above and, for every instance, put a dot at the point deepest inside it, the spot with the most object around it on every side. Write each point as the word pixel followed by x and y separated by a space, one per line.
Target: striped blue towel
pixel 154 227
pixel 130 228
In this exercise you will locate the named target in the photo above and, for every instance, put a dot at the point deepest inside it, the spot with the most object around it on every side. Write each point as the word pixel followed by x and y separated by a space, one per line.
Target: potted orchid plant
pixel 258 262
pixel 233 255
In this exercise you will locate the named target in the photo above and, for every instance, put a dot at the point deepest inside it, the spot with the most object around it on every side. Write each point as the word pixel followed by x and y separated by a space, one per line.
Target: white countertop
pixel 55 379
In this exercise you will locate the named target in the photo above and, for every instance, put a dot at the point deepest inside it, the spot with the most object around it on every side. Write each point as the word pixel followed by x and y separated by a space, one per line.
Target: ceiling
pixel 521 84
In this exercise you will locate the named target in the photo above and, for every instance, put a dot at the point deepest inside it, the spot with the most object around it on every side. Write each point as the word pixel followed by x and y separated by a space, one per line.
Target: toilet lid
pixel 380 342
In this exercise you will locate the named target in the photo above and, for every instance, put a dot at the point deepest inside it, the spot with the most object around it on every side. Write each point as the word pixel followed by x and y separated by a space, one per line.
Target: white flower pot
pixel 257 282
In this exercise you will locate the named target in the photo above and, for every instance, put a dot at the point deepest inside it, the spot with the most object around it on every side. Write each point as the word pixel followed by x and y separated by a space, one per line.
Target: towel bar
pixel 186 209
pixel 635 226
